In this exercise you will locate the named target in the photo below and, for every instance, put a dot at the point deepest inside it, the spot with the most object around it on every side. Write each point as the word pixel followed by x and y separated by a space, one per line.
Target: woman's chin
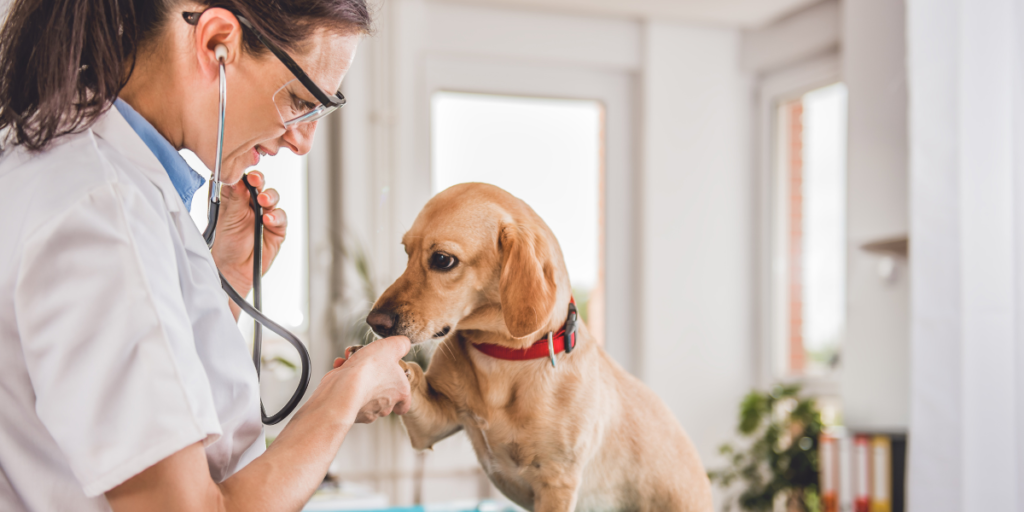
pixel 233 171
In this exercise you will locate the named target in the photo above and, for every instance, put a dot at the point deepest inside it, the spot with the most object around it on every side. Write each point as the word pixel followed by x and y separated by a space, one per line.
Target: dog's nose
pixel 382 322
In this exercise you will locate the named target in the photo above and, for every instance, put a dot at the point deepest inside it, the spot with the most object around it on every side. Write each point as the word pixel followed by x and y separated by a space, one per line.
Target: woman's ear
pixel 217 27
pixel 527 285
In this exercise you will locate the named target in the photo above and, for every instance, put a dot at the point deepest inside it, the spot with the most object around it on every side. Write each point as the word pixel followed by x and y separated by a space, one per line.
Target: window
pixel 547 152
pixel 810 233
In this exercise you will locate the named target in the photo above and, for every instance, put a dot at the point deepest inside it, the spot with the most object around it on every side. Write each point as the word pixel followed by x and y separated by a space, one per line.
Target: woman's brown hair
pixel 63 62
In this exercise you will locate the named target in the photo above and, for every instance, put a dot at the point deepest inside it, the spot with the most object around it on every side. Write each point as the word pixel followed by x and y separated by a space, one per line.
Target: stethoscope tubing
pixel 253 310
pixel 215 186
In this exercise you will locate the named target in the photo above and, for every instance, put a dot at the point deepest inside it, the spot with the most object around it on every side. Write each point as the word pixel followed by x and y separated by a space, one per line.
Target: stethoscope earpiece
pixel 221 52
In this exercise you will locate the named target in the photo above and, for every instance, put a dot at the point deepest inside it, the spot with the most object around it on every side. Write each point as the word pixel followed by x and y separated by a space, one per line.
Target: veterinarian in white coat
pixel 124 381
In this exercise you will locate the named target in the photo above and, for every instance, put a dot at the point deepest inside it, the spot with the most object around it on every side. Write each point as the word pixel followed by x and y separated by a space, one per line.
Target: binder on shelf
pixel 862 474
pixel 881 477
pixel 828 470
pixel 845 472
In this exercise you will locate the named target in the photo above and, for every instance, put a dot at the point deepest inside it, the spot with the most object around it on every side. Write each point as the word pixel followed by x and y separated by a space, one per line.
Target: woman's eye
pixel 442 261
pixel 301 105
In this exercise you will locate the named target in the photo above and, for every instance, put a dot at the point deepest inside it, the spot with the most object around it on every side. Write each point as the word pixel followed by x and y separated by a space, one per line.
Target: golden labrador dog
pixel 486 276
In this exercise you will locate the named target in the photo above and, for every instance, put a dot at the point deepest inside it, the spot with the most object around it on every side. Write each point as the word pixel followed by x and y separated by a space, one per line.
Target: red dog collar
pixel 543 347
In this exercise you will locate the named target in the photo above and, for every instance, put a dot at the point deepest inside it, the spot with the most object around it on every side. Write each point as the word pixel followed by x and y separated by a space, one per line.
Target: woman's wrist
pixel 341 393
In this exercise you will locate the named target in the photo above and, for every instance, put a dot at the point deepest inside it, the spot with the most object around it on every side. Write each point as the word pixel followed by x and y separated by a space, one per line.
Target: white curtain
pixel 966 87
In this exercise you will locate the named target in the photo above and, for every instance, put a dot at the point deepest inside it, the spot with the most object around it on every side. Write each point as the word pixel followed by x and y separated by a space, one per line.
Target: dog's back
pixel 665 472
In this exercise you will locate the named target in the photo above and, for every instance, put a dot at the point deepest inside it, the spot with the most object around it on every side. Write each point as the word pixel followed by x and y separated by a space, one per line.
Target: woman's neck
pixel 154 90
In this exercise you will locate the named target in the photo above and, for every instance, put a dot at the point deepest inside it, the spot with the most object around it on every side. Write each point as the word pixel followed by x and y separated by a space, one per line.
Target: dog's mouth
pixel 443 332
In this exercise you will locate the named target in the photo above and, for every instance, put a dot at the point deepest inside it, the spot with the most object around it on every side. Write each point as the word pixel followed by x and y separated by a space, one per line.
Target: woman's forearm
pixel 293 466
pixel 370 385
pixel 282 479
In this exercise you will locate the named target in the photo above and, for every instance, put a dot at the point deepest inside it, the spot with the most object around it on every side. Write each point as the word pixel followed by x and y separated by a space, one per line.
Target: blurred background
pixel 731 182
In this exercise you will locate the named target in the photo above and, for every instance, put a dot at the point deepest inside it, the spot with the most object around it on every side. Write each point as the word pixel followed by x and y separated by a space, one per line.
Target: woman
pixel 124 382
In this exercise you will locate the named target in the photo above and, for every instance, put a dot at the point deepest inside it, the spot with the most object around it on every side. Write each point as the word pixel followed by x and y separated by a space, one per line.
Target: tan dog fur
pixel 585 436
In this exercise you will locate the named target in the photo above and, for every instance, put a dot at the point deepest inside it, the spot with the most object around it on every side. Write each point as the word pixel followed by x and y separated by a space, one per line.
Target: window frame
pixel 774 90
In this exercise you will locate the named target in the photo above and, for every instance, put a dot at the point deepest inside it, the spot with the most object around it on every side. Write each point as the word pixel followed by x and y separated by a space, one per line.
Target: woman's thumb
pixel 398 346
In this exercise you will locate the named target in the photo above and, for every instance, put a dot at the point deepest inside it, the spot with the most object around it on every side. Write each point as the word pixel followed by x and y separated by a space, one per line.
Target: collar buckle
pixel 551 349
pixel 570 327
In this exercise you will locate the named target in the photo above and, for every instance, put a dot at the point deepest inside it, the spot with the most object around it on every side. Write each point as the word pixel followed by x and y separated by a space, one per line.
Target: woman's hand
pixel 232 249
pixel 380 385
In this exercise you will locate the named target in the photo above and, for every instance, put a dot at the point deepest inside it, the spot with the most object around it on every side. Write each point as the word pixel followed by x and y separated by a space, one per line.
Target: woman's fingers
pixel 273 218
pixel 385 381
pixel 389 349
pixel 377 408
pixel 402 407
pixel 396 346
pixel 269 198
pixel 276 221
pixel 382 380
pixel 256 179
pixel 238 191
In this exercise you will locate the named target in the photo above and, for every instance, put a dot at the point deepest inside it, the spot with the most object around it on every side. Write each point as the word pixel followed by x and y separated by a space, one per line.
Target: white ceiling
pixel 735 13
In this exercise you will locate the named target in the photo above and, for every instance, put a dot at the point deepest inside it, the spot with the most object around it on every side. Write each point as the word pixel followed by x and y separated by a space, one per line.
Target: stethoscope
pixel 253 310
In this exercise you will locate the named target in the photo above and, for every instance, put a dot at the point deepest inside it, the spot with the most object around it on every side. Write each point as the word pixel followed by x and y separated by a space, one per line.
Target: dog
pixel 486 276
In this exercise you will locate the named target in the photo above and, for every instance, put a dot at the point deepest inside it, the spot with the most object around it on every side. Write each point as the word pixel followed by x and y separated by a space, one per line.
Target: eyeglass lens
pixel 293 109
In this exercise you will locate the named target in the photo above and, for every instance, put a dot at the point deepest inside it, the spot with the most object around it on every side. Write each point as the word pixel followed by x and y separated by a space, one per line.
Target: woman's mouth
pixel 258 152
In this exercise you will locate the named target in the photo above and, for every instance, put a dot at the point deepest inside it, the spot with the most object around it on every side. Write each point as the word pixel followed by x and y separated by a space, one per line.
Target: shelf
pixel 895 246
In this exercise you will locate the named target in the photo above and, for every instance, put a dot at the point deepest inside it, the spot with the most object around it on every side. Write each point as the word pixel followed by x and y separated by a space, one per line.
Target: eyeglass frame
pixel 333 102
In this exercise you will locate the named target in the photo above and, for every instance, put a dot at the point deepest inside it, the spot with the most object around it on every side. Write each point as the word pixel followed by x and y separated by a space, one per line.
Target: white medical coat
pixel 117 347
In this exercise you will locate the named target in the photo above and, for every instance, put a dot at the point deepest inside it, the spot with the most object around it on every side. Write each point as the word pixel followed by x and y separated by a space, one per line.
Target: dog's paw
pixel 340 361
pixel 412 370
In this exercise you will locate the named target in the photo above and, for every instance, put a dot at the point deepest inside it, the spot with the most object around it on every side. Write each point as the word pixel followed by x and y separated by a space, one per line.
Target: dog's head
pixel 479 259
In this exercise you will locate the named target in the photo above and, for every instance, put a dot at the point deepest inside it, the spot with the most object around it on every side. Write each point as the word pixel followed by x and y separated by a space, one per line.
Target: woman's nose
pixel 299 138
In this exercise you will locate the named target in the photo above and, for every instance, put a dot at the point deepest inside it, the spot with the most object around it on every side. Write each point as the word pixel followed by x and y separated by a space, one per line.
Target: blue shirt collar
pixel 185 180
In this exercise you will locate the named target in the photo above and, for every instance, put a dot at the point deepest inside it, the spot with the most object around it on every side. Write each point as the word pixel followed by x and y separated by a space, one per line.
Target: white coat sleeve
pixel 107 340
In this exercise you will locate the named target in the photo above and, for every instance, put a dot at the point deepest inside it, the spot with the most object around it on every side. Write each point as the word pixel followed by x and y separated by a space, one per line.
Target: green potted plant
pixel 780 459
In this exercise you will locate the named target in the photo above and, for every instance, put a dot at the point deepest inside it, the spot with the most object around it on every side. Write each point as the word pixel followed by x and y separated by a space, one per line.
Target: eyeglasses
pixel 293 110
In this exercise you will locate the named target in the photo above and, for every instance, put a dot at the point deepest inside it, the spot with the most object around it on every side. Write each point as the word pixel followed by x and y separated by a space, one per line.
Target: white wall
pixel 696 249
pixel 875 384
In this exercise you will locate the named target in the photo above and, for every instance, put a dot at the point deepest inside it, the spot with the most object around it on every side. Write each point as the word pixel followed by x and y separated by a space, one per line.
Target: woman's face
pixel 260 88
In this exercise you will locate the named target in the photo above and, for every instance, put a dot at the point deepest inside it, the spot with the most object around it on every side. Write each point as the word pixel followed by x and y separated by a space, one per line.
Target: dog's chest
pixel 509 465
pixel 528 424
pixel 518 468
pixel 516 436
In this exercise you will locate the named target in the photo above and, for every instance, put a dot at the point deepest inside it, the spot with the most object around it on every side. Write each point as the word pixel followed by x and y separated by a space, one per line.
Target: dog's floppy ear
pixel 527 280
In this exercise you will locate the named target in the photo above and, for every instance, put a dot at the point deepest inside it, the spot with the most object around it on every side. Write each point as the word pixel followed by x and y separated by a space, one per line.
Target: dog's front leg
pixel 432 416
pixel 556 495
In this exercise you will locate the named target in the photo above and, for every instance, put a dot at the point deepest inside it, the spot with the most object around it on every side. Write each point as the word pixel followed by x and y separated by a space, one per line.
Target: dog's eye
pixel 442 261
